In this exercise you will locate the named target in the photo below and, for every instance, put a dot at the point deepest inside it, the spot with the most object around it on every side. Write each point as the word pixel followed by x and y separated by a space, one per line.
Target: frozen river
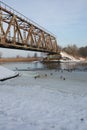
pixel 69 78
pixel 44 97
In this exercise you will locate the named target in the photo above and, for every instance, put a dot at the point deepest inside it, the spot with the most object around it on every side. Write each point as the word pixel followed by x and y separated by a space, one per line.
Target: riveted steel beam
pixel 18 32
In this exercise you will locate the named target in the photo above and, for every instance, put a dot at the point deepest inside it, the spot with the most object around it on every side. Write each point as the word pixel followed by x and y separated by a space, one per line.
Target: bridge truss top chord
pixel 18 32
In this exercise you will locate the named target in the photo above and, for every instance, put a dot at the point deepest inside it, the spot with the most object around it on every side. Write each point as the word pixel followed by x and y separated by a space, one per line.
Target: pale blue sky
pixel 67 19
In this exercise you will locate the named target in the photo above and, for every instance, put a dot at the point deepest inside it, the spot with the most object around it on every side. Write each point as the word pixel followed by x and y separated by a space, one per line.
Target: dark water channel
pixel 26 66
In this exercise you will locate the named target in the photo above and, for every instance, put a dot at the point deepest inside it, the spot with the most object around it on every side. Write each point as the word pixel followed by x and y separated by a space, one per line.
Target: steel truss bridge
pixel 19 32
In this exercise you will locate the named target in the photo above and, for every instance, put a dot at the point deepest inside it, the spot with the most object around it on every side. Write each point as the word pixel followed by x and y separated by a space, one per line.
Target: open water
pixel 26 66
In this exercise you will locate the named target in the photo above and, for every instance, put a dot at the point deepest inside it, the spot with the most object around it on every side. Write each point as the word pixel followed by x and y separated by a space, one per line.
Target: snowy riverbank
pixel 69 58
pixel 46 103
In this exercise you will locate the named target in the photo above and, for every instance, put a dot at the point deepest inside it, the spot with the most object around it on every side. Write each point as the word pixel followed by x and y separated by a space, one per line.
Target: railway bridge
pixel 19 32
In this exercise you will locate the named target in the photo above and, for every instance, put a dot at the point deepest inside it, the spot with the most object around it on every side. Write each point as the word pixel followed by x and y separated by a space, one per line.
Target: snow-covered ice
pixel 6 73
pixel 45 103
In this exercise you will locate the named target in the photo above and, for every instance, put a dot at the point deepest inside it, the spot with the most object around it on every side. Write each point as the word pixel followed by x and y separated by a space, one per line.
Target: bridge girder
pixel 16 31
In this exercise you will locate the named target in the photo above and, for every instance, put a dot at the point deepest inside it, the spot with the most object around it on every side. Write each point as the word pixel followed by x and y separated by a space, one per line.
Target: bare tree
pixel 83 51
pixel 35 55
pixel 0 54
pixel 28 55
pixel 72 50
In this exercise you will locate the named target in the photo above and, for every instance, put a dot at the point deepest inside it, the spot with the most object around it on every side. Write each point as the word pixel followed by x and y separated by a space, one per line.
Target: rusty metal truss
pixel 18 32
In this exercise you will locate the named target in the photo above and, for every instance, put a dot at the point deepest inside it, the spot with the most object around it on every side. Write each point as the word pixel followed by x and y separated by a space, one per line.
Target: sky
pixel 66 19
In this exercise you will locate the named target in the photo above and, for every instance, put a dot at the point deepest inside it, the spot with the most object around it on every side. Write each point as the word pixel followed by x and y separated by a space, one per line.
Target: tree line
pixel 70 49
pixel 76 51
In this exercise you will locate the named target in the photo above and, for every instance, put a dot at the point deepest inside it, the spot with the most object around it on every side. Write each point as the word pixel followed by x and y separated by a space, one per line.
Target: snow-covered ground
pixel 48 102
pixel 69 58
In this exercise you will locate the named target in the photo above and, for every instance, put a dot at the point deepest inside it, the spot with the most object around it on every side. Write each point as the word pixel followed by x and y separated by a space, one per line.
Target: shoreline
pixel 20 59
